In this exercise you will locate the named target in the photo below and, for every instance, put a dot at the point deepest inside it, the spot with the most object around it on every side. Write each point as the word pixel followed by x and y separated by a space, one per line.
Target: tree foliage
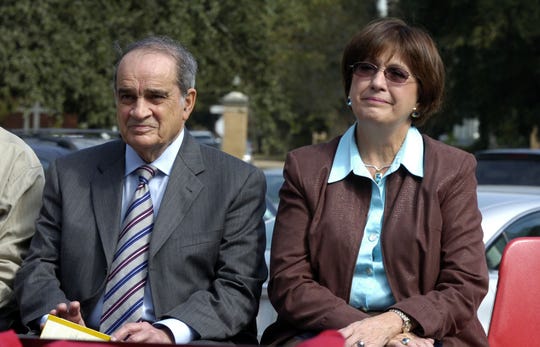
pixel 491 51
pixel 283 54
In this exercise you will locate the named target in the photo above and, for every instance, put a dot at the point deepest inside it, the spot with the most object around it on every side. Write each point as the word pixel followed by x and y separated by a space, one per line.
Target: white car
pixel 507 212
pixel 267 315
pixel 274 179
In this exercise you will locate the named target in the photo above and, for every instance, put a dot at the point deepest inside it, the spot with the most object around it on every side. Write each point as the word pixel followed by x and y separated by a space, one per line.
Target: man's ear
pixel 189 99
pixel 189 102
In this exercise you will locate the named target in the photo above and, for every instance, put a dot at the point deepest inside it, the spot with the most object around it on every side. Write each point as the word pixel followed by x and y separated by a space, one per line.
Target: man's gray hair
pixel 186 65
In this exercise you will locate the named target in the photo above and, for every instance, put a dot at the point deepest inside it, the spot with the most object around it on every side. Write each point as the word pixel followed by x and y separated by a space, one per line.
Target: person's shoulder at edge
pixel 8 137
pixel 17 145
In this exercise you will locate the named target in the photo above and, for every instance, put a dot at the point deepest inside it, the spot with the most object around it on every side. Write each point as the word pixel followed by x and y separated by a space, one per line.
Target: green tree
pixel 311 65
pixel 285 53
pixel 491 51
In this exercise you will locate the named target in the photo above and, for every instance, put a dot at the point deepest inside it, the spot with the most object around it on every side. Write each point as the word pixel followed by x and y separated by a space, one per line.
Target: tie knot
pixel 146 172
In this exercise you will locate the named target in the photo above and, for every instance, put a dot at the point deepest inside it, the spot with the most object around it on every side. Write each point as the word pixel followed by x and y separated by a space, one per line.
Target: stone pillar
pixel 235 124
pixel 534 138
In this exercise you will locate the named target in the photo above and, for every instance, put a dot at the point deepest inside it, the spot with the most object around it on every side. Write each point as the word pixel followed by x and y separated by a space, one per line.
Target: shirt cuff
pixel 182 333
pixel 43 320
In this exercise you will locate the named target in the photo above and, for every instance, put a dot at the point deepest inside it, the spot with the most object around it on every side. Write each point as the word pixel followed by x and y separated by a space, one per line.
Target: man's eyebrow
pixel 124 90
pixel 160 92
pixel 150 91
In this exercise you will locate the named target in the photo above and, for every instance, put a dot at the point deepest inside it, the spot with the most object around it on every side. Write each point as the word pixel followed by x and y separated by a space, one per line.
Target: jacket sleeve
pixel 294 289
pixel 449 305
pixel 20 199
pixel 36 285
pixel 228 303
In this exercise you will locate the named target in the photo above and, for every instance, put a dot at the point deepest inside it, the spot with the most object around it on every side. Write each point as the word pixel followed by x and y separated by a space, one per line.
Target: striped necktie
pixel 124 293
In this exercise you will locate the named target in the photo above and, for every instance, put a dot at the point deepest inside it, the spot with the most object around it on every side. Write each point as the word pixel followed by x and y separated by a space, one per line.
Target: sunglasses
pixel 394 74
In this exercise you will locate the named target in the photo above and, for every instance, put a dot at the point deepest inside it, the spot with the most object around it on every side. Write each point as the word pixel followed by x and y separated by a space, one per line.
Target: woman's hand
pixel 374 331
pixel 410 340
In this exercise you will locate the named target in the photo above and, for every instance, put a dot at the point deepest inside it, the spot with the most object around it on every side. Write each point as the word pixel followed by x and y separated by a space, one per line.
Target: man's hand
pixel 141 332
pixel 71 312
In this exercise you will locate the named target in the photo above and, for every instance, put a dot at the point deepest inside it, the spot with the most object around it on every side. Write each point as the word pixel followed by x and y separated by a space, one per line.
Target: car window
pixel 512 171
pixel 528 225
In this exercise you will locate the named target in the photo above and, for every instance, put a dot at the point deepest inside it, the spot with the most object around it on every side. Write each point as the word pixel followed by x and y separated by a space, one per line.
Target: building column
pixel 235 124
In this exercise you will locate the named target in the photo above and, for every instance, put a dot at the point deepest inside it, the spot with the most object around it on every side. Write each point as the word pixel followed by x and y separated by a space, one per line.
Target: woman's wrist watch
pixel 406 321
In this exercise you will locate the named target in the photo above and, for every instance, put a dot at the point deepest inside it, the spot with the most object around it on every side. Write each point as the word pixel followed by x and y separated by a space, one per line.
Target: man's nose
pixel 140 109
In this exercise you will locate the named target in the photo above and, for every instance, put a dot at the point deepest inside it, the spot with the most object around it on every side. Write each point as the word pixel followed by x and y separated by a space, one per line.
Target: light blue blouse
pixel 370 290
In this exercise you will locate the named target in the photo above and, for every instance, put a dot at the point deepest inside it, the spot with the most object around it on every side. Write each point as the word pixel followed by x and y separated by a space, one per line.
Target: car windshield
pixel 513 170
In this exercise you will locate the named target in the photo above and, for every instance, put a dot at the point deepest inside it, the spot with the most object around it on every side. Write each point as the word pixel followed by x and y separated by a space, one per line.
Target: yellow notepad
pixel 61 329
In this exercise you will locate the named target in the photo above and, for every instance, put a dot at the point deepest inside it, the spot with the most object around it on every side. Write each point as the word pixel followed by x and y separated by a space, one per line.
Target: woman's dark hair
pixel 413 45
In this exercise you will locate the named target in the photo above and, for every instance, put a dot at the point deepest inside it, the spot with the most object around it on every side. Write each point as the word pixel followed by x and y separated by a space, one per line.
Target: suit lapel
pixel 107 199
pixel 182 189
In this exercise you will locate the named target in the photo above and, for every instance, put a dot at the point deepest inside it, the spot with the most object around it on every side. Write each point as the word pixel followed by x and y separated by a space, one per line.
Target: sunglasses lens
pixel 396 74
pixel 393 73
pixel 364 69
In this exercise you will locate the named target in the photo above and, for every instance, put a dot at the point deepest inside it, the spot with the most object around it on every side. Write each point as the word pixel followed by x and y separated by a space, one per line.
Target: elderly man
pixel 154 238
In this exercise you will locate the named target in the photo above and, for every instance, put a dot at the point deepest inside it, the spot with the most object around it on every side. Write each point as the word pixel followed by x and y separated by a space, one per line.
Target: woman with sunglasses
pixel 378 231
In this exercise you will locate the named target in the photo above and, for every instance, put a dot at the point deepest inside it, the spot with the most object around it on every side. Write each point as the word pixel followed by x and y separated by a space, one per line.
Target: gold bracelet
pixel 406 326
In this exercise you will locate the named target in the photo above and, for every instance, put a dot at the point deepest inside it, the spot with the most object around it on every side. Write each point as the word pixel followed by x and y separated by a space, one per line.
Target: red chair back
pixel 516 313
pixel 9 339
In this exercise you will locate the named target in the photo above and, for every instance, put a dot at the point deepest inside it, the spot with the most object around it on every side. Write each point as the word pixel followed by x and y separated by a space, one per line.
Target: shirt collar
pixel 163 163
pixel 348 158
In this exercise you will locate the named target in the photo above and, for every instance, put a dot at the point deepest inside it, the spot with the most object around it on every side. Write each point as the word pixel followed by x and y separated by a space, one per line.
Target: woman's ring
pixel 360 344
pixel 405 341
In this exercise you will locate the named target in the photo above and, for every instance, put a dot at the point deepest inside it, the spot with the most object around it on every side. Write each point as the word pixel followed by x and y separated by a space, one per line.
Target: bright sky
pixel 383 8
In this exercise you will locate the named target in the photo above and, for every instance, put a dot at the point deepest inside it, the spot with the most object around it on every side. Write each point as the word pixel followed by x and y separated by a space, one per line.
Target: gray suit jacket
pixel 206 261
